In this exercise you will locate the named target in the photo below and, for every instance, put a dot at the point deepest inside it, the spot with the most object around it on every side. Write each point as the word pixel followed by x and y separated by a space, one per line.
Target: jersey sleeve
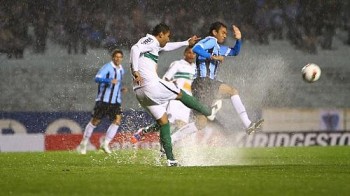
pixel 203 45
pixel 101 75
pixel 134 57
pixel 144 45
pixel 174 45
pixel 227 51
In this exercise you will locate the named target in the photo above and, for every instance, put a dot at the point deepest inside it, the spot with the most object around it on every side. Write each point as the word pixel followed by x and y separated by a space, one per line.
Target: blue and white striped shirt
pixel 108 92
pixel 209 47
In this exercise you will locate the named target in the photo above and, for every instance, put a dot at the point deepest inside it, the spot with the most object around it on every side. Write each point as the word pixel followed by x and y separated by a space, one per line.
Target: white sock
pixel 240 109
pixel 87 133
pixel 111 131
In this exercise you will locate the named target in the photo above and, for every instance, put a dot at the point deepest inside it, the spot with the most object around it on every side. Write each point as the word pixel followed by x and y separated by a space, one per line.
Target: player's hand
pixel 137 77
pixel 236 32
pixel 218 58
pixel 193 40
pixel 114 81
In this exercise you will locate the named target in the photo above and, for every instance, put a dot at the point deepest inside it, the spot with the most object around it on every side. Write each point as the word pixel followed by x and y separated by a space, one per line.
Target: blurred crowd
pixel 79 25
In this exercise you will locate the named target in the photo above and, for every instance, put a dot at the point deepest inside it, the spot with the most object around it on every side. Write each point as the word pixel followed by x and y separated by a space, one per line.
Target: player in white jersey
pixel 154 93
pixel 181 72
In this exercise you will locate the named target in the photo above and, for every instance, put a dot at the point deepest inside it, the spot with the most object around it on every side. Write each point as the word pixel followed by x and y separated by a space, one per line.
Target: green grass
pixel 261 171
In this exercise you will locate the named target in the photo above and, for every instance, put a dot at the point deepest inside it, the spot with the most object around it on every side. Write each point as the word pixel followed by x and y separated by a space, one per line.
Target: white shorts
pixel 178 111
pixel 155 97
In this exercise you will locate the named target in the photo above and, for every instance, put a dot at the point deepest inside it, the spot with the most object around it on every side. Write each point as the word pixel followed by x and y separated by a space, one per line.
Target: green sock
pixel 165 140
pixel 193 103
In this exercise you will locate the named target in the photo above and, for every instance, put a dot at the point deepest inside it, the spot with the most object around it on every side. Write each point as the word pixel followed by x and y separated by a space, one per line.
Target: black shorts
pixel 103 109
pixel 206 90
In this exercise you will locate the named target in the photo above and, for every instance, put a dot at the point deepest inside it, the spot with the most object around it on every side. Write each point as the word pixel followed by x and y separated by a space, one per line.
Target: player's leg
pixel 137 136
pixel 145 101
pixel 206 91
pixel 89 128
pixel 156 101
pixel 159 113
pixel 112 130
pixel 168 89
pixel 165 138
pixel 193 103
pixel 226 91
pixel 97 115
pixel 114 113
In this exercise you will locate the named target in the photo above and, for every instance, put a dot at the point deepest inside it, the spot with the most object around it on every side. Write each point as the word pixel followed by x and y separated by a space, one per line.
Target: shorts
pixel 206 90
pixel 178 111
pixel 155 97
pixel 103 109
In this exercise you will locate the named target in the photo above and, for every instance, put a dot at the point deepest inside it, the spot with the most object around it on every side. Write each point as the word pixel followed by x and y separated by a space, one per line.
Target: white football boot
pixel 214 109
pixel 82 148
pixel 105 148
pixel 254 126
pixel 172 163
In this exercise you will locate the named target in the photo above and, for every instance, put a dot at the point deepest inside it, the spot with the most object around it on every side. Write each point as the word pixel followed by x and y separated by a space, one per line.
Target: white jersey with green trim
pixel 144 57
pixel 183 73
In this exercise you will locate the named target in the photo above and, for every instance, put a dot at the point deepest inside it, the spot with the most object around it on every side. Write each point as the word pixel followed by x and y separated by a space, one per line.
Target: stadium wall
pixel 304 119
pixel 47 131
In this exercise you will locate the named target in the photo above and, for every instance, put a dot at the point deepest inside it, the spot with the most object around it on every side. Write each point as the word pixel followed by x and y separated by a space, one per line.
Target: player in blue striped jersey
pixel 210 55
pixel 108 101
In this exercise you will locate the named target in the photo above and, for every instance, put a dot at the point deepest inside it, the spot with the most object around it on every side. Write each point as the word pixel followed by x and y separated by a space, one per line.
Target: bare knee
pixel 163 120
pixel 234 91
pixel 117 120
pixel 95 121
pixel 227 91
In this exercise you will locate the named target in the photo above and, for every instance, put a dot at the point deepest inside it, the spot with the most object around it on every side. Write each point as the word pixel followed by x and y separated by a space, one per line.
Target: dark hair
pixel 216 26
pixel 160 28
pixel 188 48
pixel 116 51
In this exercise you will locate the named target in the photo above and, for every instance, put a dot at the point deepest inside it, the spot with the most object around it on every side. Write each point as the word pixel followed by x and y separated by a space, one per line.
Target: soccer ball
pixel 311 72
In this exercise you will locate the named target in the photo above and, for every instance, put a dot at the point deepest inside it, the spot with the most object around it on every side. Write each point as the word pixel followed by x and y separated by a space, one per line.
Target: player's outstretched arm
pixel 193 40
pixel 234 51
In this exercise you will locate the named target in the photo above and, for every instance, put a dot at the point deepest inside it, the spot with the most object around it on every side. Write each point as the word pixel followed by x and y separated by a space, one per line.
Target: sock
pixel 165 140
pixel 111 131
pixel 87 133
pixel 240 109
pixel 193 103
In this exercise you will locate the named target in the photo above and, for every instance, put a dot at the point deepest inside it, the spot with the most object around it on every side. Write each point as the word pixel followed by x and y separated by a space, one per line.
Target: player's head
pixel 117 56
pixel 219 31
pixel 162 32
pixel 189 55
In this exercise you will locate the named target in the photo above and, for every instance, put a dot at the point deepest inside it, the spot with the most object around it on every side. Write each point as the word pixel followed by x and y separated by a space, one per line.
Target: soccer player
pixel 154 93
pixel 181 72
pixel 108 101
pixel 206 87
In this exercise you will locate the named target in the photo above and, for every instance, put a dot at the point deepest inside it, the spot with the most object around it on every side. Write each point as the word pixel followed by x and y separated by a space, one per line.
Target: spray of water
pixel 260 80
